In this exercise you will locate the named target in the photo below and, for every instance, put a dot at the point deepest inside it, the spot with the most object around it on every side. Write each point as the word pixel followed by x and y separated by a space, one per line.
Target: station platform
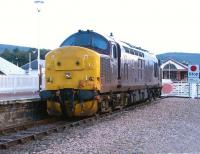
pixel 6 98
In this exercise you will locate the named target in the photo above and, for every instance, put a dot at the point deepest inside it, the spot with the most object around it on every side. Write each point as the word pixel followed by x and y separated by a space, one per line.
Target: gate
pixel 180 89
pixel 198 90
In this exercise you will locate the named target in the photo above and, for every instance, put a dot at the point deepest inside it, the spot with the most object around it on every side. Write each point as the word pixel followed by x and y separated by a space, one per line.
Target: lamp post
pixel 17 60
pixel 30 60
pixel 29 70
pixel 39 4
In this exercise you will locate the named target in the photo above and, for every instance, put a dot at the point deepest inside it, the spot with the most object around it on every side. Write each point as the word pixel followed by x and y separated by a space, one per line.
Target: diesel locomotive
pixel 91 73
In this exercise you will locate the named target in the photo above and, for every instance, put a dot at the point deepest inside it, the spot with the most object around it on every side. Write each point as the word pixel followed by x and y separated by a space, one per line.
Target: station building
pixel 174 70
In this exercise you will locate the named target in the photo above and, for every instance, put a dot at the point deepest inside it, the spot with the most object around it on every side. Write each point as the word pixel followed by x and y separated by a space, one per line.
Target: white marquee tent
pixel 8 68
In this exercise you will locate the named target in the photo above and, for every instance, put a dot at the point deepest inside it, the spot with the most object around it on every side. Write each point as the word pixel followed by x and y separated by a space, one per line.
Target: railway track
pixel 25 126
pixel 20 134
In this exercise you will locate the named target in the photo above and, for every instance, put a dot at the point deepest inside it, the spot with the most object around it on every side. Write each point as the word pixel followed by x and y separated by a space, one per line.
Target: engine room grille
pixel 105 70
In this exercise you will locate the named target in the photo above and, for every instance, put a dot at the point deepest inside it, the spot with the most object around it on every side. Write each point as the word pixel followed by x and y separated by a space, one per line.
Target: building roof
pixel 9 68
pixel 174 65
pixel 34 65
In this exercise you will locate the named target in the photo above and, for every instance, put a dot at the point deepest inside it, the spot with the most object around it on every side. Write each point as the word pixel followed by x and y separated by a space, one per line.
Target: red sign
pixel 193 73
pixel 193 68
pixel 167 88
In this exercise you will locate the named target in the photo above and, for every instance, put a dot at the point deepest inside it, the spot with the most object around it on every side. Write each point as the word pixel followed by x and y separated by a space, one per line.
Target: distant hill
pixel 19 55
pixel 12 47
pixel 186 58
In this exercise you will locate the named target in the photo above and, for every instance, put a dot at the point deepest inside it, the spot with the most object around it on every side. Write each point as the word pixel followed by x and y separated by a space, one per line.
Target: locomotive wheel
pixel 150 95
pixel 154 94
pixel 126 99
pixel 159 93
pixel 104 105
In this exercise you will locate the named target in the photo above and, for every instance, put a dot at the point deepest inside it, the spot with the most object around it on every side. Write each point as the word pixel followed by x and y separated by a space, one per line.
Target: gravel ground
pixel 171 125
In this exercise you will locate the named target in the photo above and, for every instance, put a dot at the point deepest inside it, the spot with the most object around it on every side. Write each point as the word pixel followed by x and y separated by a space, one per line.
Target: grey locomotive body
pixel 130 70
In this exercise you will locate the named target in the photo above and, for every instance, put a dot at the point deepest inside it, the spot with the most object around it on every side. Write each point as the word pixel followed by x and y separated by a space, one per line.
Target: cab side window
pixel 114 51
pixel 156 70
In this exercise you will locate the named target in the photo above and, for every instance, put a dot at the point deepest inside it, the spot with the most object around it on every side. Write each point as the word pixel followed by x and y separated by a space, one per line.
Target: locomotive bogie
pixel 86 108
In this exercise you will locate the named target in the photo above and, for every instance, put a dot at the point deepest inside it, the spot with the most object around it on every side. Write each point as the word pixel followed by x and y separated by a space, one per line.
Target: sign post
pixel 193 79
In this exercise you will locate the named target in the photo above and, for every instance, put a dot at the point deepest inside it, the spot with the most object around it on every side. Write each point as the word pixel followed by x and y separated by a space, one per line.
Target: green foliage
pixel 19 57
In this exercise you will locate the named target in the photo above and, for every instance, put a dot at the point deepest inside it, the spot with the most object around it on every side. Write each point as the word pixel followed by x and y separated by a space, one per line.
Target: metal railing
pixel 18 83
pixel 29 83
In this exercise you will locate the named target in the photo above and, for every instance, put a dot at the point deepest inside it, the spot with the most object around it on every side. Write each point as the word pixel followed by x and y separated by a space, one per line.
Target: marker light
pixel 68 75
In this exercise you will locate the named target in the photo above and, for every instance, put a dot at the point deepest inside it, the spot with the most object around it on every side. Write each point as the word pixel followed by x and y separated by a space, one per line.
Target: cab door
pixel 115 63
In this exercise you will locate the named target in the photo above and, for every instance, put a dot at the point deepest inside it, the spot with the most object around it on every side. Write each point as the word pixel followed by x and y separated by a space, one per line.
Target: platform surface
pixel 18 97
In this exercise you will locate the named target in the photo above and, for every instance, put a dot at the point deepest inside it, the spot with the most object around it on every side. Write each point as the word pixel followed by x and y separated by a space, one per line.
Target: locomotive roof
pixel 111 38
pixel 121 43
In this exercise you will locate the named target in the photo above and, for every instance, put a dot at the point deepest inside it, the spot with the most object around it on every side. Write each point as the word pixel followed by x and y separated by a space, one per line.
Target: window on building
pixel 169 66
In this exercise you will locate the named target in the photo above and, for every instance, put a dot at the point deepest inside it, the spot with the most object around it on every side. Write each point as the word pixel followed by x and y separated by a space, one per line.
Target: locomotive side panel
pixel 105 73
pixel 136 73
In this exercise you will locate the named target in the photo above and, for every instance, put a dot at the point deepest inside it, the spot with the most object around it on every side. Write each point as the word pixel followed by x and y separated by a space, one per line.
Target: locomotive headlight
pixel 68 75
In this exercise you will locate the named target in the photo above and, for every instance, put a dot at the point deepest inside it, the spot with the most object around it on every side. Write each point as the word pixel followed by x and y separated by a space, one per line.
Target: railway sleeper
pixel 2 132
pixel 22 140
pixel 4 146
pixel 34 137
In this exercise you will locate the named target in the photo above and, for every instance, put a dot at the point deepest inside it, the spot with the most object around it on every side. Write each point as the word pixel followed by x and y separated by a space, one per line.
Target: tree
pixel 17 56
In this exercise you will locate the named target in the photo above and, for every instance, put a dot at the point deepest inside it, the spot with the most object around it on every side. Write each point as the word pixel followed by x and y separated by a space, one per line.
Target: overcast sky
pixel 156 25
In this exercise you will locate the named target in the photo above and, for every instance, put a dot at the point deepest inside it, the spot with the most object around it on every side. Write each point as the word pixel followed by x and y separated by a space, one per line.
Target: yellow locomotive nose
pixel 72 67
pixel 72 80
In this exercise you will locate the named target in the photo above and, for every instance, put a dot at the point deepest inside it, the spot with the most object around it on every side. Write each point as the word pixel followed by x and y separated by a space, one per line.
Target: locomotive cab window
pixel 88 39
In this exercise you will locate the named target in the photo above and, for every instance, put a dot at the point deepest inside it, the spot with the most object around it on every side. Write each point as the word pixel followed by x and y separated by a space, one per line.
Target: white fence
pixel 29 83
pixel 18 83
pixel 182 89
